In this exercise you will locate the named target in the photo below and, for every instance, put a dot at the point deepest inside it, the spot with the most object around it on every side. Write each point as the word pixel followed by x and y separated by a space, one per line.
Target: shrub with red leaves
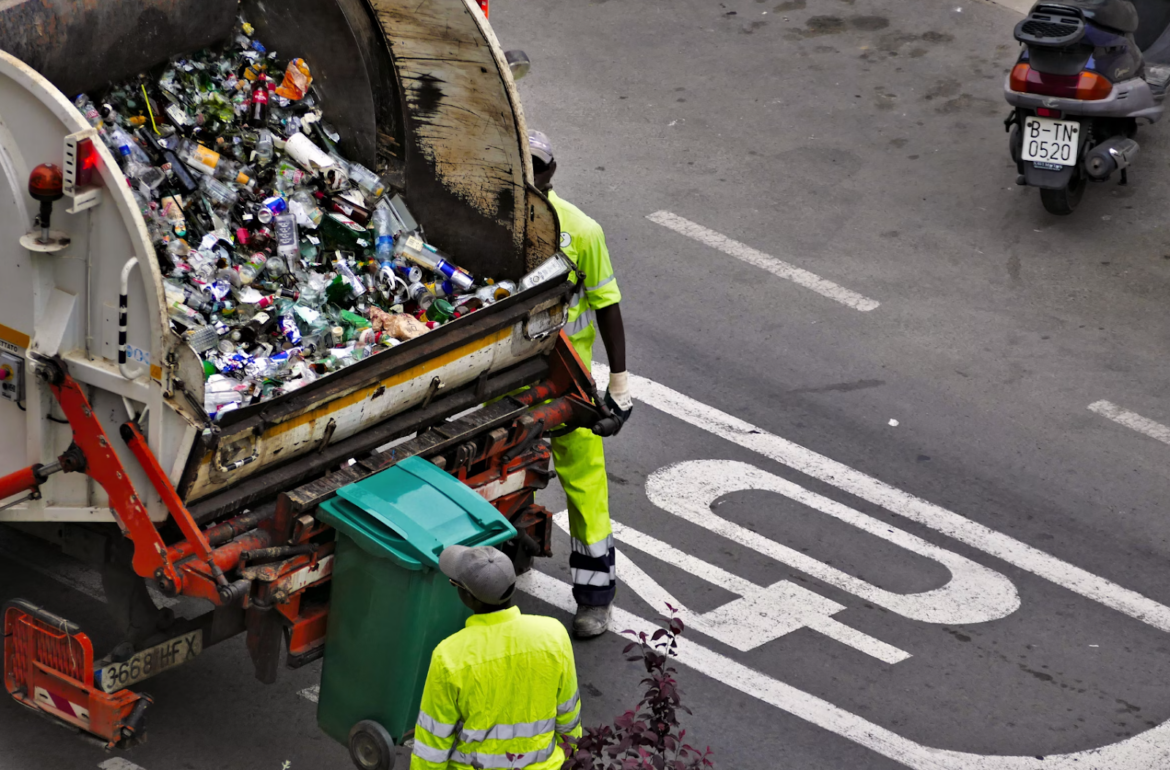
pixel 648 737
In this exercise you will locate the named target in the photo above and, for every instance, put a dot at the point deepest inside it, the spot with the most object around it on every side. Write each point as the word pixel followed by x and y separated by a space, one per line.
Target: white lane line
pixel 1132 420
pixel 916 509
pixel 311 694
pixel 1147 751
pixel 117 763
pixel 763 261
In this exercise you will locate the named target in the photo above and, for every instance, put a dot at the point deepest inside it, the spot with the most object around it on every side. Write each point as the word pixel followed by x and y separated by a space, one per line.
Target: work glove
pixel 619 402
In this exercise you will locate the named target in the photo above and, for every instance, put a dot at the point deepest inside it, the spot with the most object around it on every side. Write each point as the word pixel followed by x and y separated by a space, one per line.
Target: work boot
pixel 591 621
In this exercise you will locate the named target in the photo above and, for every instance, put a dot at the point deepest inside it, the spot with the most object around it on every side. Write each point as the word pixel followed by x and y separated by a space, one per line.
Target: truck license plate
pixel 1050 142
pixel 147 663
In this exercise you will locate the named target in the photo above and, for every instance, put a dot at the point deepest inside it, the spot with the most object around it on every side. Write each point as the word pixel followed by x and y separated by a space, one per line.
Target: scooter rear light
pixel 1091 87
pixel 1085 86
pixel 1019 78
pixel 1046 112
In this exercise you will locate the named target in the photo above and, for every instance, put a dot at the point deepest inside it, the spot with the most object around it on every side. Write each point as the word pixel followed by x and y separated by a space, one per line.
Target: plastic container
pixel 390 606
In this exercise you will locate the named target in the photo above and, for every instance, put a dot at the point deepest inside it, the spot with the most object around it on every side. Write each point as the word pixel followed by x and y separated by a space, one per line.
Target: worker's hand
pixel 620 403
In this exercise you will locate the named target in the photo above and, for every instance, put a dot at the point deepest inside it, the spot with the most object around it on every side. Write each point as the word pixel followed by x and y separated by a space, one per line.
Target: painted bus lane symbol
pixel 974 593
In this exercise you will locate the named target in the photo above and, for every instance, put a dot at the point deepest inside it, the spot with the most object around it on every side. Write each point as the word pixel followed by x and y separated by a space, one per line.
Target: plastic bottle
pixel 383 232
pixel 288 244
pixel 276 267
pixel 92 116
pixel 357 287
pixel 183 314
pixel 367 181
pixel 264 148
pixel 210 162
pixel 420 294
pixel 144 173
pixel 304 207
pixel 125 147
pixel 253 267
pixel 220 195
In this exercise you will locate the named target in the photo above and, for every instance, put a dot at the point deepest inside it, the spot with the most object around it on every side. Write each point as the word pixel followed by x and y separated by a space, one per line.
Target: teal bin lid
pixel 411 512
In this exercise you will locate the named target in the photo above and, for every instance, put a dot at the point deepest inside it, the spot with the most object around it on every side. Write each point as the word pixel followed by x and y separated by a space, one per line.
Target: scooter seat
pixel 1115 14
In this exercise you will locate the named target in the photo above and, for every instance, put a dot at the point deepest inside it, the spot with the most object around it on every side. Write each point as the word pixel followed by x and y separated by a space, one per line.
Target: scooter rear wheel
pixel 1062 202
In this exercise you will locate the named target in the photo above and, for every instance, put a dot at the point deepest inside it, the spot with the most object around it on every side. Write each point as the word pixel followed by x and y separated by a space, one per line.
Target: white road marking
pixel 117 763
pixel 1131 420
pixel 763 261
pixel 1148 751
pixel 759 616
pixel 974 593
pixel 878 492
pixel 311 694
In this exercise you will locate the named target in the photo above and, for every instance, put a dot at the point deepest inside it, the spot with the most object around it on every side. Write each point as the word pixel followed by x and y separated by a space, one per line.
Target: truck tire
pixel 370 746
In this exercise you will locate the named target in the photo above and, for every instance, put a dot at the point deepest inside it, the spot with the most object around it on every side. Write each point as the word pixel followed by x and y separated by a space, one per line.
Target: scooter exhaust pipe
pixel 1109 156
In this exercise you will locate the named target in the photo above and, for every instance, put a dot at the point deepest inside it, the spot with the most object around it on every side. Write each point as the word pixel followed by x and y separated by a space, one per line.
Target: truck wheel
pixel 1062 202
pixel 370 746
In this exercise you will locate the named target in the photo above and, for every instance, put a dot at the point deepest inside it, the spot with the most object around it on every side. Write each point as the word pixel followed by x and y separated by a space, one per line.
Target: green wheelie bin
pixel 390 606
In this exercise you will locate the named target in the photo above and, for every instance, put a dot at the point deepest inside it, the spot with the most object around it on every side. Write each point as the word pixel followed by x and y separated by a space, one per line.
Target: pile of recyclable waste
pixel 283 260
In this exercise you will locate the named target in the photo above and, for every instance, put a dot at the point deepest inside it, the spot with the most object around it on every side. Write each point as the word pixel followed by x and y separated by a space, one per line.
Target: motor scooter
pixel 1090 72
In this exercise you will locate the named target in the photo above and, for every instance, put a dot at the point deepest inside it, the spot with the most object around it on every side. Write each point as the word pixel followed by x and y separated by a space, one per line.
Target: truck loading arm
pixel 192 567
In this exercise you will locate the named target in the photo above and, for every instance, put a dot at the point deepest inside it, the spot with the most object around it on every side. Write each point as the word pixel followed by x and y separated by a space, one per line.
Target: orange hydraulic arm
pixel 191 567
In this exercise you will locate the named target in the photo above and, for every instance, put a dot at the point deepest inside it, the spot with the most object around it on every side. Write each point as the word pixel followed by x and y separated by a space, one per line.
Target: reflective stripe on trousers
pixel 594 576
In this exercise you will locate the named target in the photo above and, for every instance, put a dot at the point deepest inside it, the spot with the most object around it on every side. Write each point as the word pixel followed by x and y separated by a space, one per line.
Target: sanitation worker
pixel 579 456
pixel 503 691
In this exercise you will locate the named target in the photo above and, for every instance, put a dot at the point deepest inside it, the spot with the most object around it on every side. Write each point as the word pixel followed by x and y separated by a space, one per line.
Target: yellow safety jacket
pixel 583 241
pixel 504 685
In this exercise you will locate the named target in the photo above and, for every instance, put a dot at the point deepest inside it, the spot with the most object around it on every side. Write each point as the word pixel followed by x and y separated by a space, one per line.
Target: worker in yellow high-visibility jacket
pixel 503 691
pixel 579 456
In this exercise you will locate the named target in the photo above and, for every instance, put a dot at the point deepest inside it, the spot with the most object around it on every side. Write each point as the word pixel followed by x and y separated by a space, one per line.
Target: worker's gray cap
pixel 485 572
pixel 540 145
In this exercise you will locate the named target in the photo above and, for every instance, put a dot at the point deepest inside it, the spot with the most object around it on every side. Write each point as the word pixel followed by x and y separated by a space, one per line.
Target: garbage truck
pixel 109 453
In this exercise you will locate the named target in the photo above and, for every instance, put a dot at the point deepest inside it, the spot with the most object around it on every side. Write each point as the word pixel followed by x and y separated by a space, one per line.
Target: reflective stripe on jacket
pixel 500 692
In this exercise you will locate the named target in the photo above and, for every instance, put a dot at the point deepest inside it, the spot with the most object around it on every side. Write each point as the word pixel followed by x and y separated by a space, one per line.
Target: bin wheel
pixel 370 746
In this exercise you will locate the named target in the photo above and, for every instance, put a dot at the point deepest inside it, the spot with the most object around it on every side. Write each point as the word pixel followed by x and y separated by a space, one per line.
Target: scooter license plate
pixel 1051 142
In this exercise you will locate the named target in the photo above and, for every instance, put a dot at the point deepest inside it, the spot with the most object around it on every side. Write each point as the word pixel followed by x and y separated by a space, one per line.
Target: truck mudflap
pixel 48 667
pixel 249 441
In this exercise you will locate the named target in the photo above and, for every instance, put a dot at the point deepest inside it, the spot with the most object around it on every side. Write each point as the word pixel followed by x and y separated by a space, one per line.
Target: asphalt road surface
pixel 899 447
